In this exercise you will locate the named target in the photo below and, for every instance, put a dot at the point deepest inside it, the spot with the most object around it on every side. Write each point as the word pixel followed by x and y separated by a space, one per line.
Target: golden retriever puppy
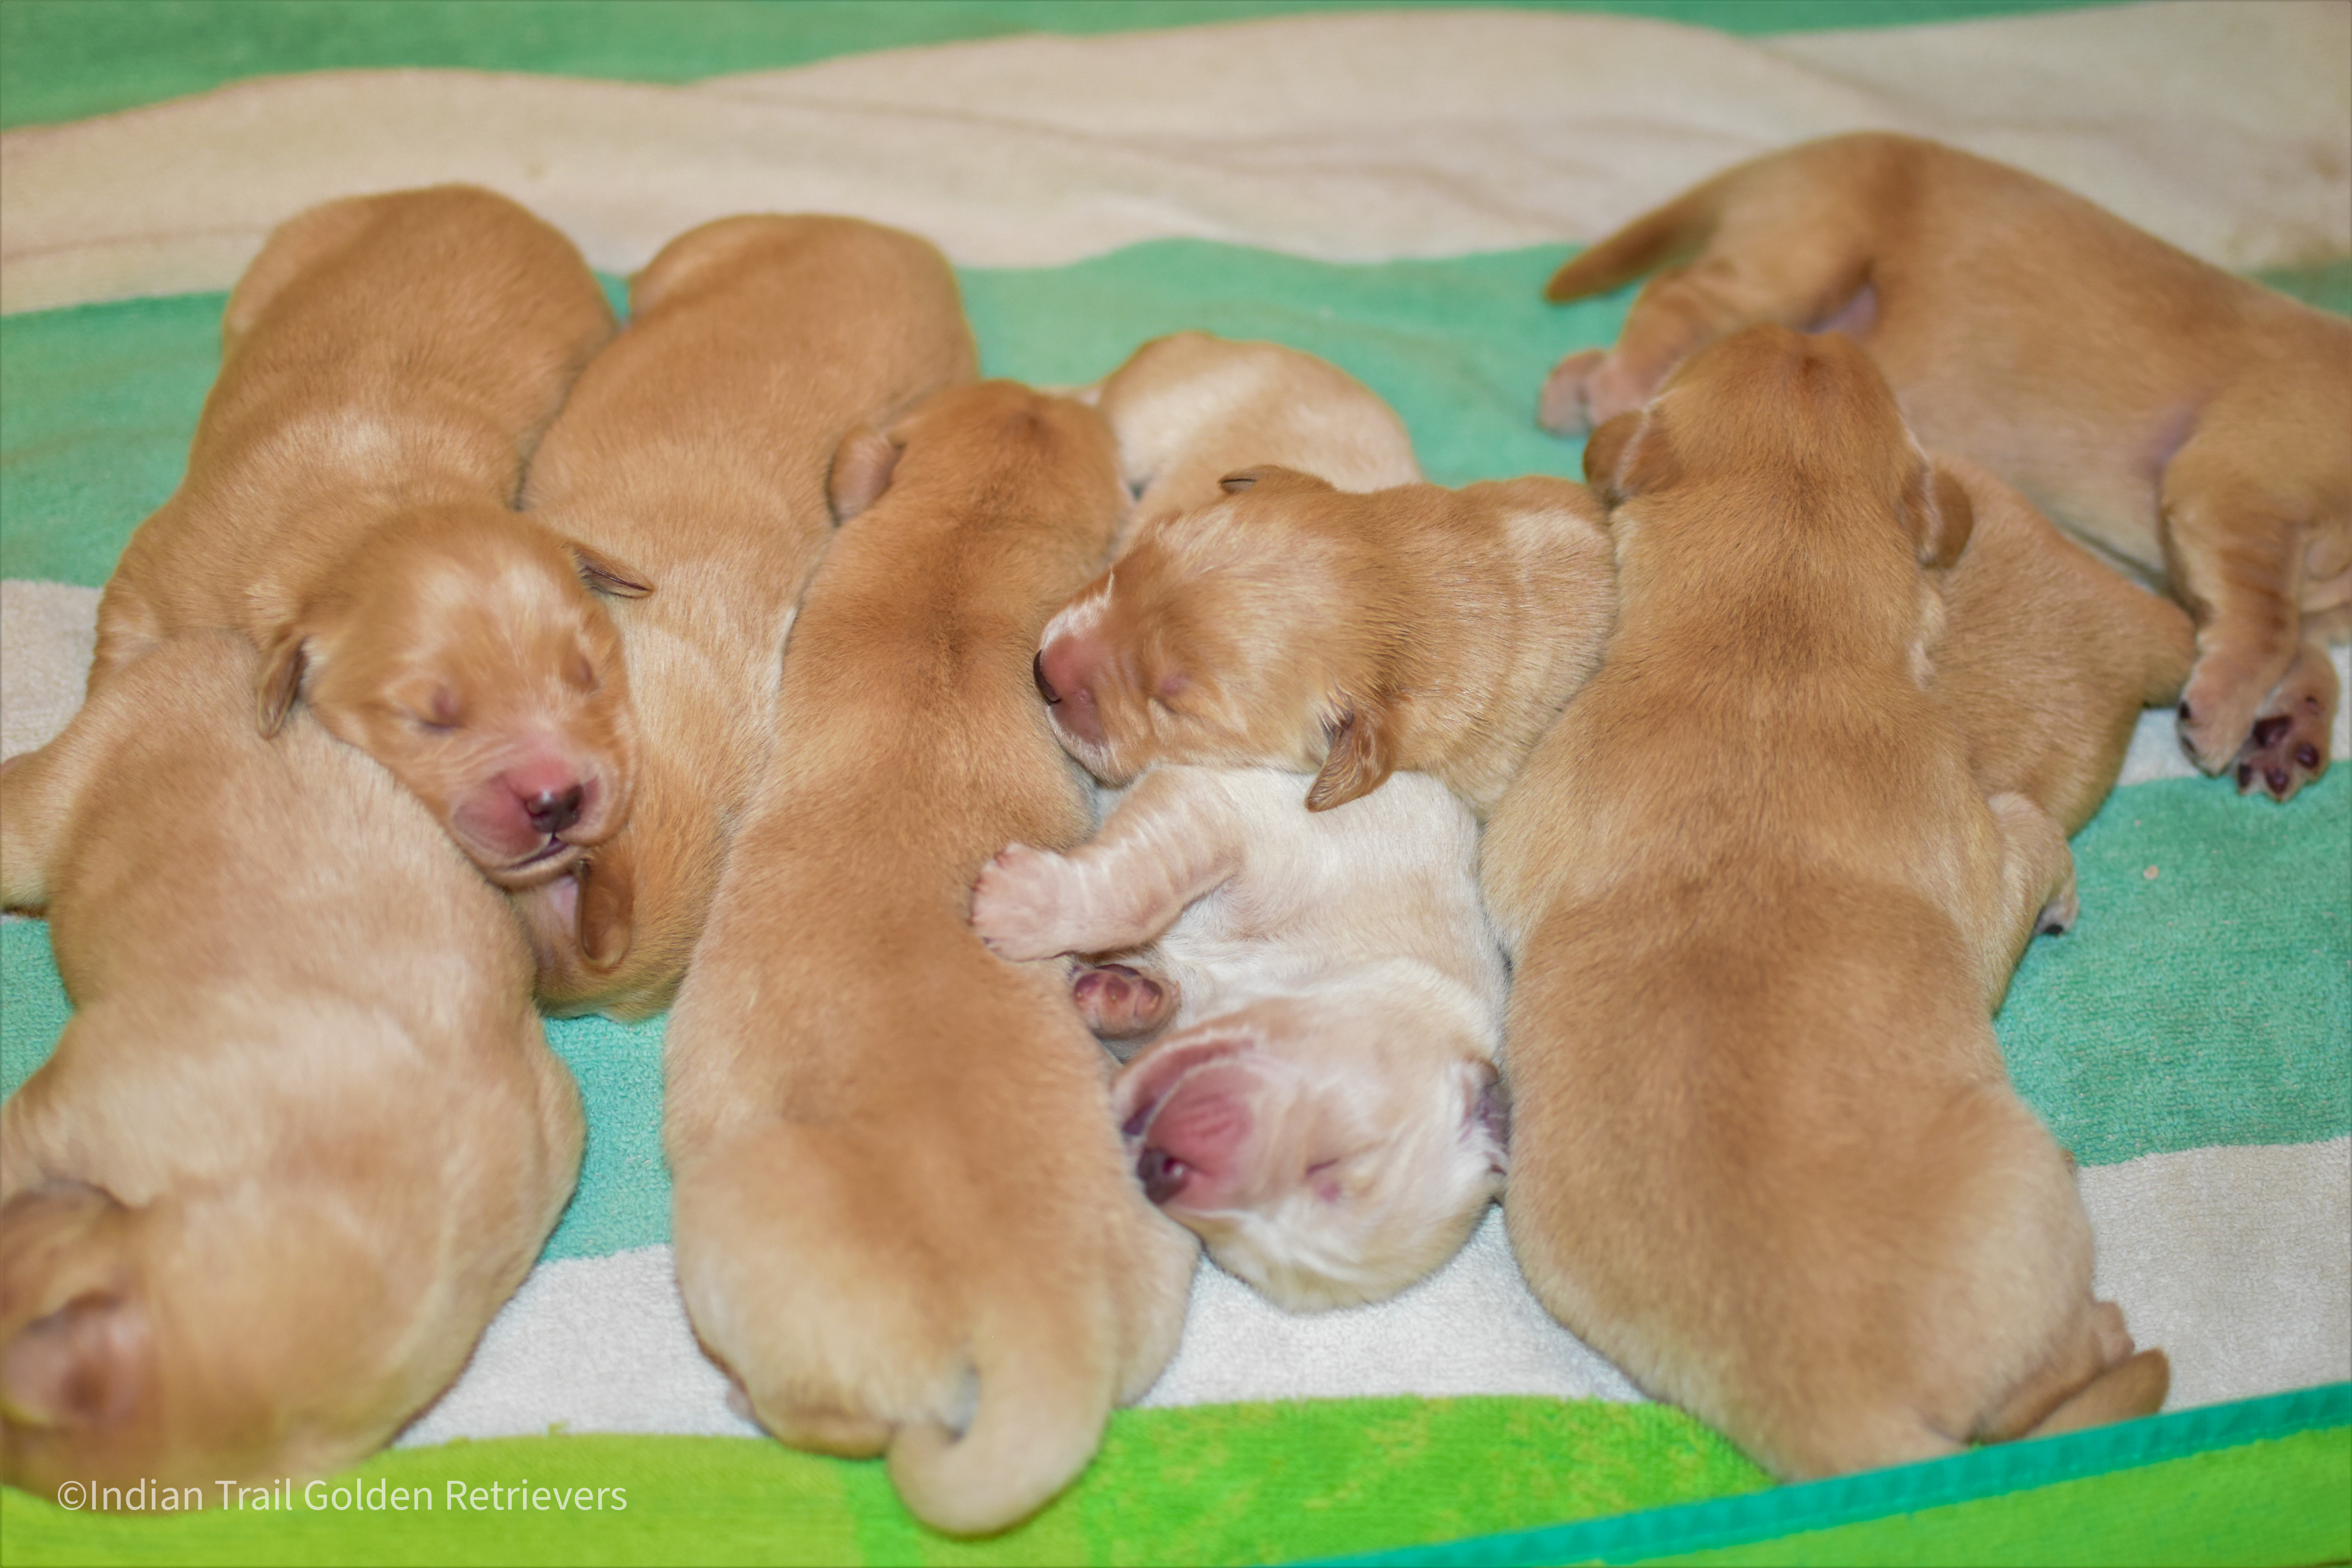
pixel 1291 625
pixel 2188 423
pixel 301 1138
pixel 387 364
pixel 1324 1111
pixel 1185 408
pixel 2049 655
pixel 696 447
pixel 1765 1155
pixel 903 1217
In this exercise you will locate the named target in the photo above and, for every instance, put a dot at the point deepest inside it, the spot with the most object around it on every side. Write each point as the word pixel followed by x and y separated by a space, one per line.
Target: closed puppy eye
pixel 440 713
pixel 581 673
pixel 1323 1180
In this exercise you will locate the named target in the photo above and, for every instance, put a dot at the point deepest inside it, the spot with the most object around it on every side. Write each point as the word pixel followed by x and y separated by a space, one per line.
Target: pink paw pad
pixel 2285 751
pixel 1119 1002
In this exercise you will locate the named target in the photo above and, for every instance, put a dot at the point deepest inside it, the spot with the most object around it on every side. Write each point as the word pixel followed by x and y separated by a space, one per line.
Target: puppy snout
pixel 552 811
pixel 1065 670
pixel 1162 1173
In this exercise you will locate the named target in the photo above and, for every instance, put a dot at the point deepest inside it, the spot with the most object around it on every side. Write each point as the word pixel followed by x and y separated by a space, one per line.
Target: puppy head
pixel 1329 1152
pixel 465 649
pixel 1241 633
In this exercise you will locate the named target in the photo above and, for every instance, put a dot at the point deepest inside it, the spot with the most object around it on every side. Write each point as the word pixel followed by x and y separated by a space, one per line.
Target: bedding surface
pixel 1389 189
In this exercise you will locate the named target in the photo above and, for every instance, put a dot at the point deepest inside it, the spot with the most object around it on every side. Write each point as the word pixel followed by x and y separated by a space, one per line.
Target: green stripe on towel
pixel 2267 1481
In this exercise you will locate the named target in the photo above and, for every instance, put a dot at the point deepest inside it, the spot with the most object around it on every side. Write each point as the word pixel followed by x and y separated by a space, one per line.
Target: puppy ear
pixel 1490 1118
pixel 1939 515
pixel 1272 476
pixel 608 886
pixel 606 576
pixel 83 1361
pixel 1362 755
pixel 862 466
pixel 277 685
pixel 1627 456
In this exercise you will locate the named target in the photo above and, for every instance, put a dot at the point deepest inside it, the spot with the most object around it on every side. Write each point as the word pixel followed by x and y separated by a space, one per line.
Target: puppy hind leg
pixel 2233 558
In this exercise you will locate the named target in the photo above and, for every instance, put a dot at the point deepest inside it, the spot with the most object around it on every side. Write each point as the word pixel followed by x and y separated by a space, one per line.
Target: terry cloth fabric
pixel 1387 188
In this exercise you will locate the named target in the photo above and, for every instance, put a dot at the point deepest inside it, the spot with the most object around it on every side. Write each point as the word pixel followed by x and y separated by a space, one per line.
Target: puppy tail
pixel 1649 242
pixel 1038 1419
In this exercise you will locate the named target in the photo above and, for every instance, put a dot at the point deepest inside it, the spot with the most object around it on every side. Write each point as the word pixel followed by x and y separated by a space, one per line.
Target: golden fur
pixel 903 1217
pixel 2190 423
pixel 387 363
pixel 1765 1153
pixel 697 447
pixel 301 1138
pixel 1293 625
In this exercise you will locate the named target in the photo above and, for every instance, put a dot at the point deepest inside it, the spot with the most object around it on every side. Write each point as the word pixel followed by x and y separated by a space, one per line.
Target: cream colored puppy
pixel 2189 423
pixel 1187 408
pixel 387 364
pixel 1766 1155
pixel 903 1217
pixel 301 1138
pixel 697 447
pixel 1323 1110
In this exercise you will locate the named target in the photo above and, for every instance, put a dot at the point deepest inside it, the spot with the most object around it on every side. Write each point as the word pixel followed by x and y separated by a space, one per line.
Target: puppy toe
pixel 1561 409
pixel 2059 915
pixel 1118 1001
pixel 1016 902
pixel 2286 748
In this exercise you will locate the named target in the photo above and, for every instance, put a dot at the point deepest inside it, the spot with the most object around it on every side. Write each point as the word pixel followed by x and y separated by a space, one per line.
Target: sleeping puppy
pixel 1292 625
pixel 696 447
pixel 301 1138
pixel 387 364
pixel 903 1217
pixel 1323 1112
pixel 2188 423
pixel 1765 1155
pixel 2049 655
pixel 1183 407
pixel 1318 1111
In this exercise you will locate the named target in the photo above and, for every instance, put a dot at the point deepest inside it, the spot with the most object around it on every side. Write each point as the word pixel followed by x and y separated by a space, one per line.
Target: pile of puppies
pixel 761 634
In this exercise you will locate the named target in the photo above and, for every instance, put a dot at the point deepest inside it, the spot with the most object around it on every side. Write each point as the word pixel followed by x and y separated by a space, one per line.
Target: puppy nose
pixel 551 811
pixel 1065 668
pixel 1162 1173
pixel 1045 687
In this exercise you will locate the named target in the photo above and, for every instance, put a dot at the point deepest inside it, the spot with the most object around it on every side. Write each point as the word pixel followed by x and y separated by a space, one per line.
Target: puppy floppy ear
pixel 1936 510
pixel 606 576
pixel 83 1360
pixel 862 466
pixel 1271 475
pixel 1362 755
pixel 608 885
pixel 277 685
pixel 1627 456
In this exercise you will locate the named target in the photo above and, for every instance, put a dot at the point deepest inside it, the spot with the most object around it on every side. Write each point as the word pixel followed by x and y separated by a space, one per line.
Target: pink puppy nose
pixel 549 793
pixel 1065 670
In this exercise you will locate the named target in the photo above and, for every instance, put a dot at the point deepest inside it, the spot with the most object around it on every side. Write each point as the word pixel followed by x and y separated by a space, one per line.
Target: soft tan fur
pixel 2048 655
pixel 2188 423
pixel 697 447
pixel 387 364
pixel 301 1138
pixel 1765 1155
pixel 1185 406
pixel 903 1217
pixel 1322 1108
pixel 1291 625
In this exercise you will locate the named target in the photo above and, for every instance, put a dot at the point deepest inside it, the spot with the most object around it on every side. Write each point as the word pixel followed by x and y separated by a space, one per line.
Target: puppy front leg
pixel 1173 838
pixel 2037 889
pixel 2259 701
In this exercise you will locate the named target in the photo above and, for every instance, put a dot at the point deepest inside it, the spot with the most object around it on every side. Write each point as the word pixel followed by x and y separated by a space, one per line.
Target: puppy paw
pixel 2287 747
pixel 1563 409
pixel 1018 901
pixel 1119 1002
pixel 2059 915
